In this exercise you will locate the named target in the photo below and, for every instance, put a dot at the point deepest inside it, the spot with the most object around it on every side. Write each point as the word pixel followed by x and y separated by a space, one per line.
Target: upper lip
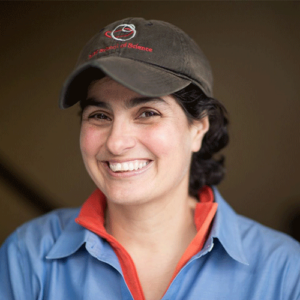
pixel 115 161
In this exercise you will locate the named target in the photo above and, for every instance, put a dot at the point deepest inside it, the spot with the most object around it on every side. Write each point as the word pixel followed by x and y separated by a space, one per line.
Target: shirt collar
pixel 72 237
pixel 226 229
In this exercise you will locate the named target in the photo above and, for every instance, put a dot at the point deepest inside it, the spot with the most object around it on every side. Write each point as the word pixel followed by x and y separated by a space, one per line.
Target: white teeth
pixel 127 166
pixel 113 168
pixel 136 165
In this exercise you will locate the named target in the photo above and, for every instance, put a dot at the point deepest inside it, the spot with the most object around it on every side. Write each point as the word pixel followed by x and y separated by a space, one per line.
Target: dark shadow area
pixel 23 188
pixel 294 225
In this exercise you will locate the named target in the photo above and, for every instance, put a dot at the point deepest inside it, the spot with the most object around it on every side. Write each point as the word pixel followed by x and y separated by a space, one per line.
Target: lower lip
pixel 126 173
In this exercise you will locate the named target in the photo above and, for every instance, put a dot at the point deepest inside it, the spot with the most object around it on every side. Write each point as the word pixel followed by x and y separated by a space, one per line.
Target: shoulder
pixel 265 240
pixel 52 223
pixel 22 256
pixel 57 219
pixel 272 256
pixel 270 259
pixel 39 235
pixel 254 238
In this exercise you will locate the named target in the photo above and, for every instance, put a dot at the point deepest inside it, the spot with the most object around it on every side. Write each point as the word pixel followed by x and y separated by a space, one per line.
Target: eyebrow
pixel 133 102
pixel 142 100
pixel 93 102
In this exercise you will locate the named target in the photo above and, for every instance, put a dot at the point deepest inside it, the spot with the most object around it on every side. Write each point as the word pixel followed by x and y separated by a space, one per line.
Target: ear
pixel 200 127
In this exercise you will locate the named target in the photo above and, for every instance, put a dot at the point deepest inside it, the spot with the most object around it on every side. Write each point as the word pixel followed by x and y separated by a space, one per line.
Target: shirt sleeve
pixel 13 285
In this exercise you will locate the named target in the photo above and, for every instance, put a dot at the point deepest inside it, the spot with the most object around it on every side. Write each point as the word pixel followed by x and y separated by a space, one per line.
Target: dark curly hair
pixel 205 168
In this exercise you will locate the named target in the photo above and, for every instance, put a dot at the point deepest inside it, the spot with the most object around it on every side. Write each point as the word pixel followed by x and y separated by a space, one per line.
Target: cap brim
pixel 145 79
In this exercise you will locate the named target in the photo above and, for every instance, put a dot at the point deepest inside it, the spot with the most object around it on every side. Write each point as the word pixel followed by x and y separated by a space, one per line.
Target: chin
pixel 125 199
pixel 124 196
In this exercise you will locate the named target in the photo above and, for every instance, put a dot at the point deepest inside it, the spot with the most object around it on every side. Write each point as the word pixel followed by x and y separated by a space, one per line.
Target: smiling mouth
pixel 128 166
pixel 133 165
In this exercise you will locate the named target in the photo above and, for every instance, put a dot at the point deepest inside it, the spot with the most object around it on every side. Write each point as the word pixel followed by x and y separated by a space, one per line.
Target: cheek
pixel 90 140
pixel 165 140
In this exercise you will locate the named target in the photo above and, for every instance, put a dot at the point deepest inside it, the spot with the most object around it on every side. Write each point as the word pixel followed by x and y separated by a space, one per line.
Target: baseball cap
pixel 153 58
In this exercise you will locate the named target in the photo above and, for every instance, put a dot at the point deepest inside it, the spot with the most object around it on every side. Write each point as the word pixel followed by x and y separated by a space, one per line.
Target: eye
pixel 148 114
pixel 99 116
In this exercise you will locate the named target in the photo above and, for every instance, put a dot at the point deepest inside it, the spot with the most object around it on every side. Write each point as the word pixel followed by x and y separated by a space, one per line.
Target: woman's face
pixel 137 149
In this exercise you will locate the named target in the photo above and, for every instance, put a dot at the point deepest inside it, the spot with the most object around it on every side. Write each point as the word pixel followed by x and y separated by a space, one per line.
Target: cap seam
pixel 179 35
pixel 183 46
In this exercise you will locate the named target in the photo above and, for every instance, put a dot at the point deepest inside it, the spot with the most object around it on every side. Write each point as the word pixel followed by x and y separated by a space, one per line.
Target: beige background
pixel 254 52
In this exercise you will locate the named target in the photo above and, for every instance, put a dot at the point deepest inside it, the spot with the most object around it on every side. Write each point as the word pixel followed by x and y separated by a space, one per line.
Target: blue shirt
pixel 54 258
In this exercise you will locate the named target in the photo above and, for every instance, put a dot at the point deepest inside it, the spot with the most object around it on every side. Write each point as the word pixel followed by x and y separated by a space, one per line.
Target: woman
pixel 155 228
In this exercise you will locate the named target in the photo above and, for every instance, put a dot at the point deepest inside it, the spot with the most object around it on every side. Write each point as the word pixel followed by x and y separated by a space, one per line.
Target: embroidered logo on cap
pixel 123 32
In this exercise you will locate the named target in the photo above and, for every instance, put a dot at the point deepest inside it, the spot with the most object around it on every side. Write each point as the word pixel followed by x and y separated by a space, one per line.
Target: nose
pixel 120 139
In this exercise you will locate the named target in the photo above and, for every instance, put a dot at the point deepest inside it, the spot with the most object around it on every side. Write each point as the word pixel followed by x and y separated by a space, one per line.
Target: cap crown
pixel 157 43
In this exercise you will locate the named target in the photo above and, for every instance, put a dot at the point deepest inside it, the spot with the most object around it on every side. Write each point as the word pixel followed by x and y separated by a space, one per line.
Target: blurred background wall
pixel 254 51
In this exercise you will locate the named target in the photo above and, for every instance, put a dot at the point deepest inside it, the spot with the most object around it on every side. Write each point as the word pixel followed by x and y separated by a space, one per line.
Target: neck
pixel 149 226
